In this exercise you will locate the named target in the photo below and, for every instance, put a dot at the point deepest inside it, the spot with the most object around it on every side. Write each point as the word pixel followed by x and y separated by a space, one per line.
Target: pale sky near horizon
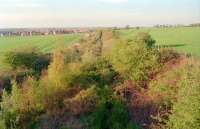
pixel 84 13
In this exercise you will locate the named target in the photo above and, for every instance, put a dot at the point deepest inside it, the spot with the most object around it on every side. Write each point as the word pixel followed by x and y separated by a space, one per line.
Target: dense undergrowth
pixel 103 82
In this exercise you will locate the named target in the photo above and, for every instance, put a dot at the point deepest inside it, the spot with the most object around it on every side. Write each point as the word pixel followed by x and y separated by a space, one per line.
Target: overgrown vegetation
pixel 186 112
pixel 135 61
pixel 103 82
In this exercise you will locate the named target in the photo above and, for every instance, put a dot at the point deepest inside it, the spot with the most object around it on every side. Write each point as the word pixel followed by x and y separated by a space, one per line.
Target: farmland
pixel 119 72
pixel 184 39
pixel 44 43
pixel 100 64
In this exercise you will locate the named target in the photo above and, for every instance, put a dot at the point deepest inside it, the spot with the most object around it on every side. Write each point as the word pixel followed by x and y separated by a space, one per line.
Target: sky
pixel 94 13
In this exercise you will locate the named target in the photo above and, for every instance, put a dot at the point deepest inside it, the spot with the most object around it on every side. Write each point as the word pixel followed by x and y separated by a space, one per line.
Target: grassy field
pixel 184 39
pixel 44 43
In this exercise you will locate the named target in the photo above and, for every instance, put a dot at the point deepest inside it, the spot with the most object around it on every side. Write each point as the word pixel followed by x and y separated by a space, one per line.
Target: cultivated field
pixel 184 39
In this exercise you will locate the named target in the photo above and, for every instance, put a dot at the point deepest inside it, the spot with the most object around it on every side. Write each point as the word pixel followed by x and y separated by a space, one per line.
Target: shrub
pixel 134 61
pixel 83 102
pixel 92 46
pixel 2 125
pixel 167 54
pixel 41 63
pixel 166 86
pixel 73 54
pixel 5 83
pixel 143 37
pixel 20 109
pixel 29 58
pixel 9 107
pixel 19 76
pixel 21 58
pixel 111 115
pixel 55 69
pixel 97 72
pixel 186 112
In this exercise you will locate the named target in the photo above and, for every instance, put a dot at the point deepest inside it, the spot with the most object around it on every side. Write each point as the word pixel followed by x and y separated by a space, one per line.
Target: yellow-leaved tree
pixel 55 70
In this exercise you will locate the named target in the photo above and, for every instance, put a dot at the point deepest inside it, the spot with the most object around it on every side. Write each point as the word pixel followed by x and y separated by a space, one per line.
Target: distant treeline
pixel 195 25
pixel 42 31
pixel 177 25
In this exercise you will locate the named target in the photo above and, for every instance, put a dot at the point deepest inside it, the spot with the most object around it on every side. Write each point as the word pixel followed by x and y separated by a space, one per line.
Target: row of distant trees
pixel 178 25
pixel 167 26
pixel 197 24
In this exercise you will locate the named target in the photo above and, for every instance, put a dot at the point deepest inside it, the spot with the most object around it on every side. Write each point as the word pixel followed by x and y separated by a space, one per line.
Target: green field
pixel 44 43
pixel 184 39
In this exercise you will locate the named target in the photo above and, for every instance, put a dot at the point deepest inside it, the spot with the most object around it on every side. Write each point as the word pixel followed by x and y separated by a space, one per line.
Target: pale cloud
pixel 115 1
pixel 20 3
pixel 28 5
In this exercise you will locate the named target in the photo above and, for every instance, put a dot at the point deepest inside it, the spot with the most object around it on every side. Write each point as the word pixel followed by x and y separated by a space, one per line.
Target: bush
pixel 29 58
pixel 2 125
pixel 97 72
pixel 21 108
pixel 9 108
pixel 186 112
pixel 21 58
pixel 19 76
pixel 167 55
pixel 134 61
pixel 5 83
pixel 41 63
pixel 83 102
pixel 146 38
pixel 55 69
pixel 111 115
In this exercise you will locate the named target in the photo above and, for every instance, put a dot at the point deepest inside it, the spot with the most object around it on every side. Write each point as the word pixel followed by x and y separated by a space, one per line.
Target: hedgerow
pixel 75 87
